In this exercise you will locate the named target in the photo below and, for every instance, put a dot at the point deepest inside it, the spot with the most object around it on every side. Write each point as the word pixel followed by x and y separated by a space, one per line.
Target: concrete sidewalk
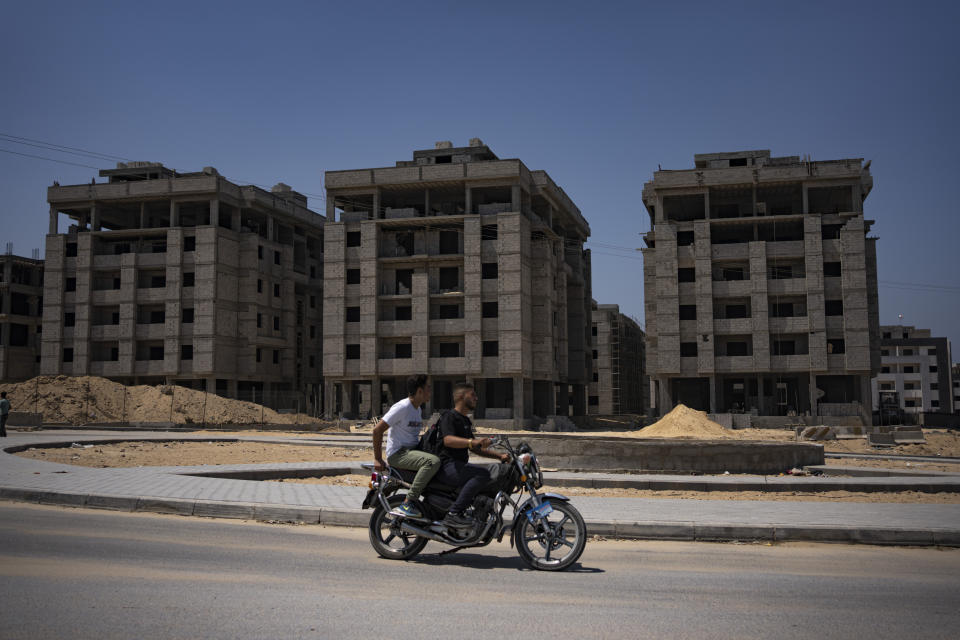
pixel 191 491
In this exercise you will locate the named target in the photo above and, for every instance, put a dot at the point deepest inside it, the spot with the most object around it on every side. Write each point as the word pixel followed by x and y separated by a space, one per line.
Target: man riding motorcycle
pixel 455 430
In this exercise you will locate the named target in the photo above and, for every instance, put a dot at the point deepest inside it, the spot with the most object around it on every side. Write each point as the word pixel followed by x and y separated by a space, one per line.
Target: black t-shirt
pixel 454 423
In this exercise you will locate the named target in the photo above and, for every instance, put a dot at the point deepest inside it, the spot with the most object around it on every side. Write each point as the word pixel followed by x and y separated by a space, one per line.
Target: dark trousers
pixel 3 425
pixel 470 478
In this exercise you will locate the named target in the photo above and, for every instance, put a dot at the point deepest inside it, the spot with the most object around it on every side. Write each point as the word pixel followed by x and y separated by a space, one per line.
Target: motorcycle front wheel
pixel 387 539
pixel 553 542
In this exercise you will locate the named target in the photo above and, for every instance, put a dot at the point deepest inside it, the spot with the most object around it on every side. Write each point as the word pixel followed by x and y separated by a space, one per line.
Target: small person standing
pixel 4 412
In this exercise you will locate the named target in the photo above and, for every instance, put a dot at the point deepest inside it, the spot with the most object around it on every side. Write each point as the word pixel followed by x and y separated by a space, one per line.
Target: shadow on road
pixel 483 561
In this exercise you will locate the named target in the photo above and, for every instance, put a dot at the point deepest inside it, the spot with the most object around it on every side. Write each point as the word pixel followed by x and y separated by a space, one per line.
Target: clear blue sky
pixel 597 94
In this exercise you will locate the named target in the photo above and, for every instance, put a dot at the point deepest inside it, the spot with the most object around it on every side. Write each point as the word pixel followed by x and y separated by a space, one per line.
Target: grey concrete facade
pixel 619 384
pixel 187 278
pixel 761 286
pixel 915 370
pixel 462 266
pixel 21 313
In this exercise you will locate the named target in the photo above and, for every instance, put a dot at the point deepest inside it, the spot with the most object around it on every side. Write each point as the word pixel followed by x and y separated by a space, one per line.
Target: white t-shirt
pixel 405 423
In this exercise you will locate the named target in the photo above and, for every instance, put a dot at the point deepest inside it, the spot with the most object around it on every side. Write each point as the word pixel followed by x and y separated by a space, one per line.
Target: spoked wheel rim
pixel 555 539
pixel 391 536
pixel 387 537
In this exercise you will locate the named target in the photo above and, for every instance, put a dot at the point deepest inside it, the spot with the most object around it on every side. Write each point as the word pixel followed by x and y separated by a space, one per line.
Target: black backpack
pixel 430 441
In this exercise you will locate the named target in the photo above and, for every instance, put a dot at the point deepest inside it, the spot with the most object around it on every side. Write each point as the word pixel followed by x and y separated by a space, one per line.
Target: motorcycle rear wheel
pixel 388 541
pixel 553 542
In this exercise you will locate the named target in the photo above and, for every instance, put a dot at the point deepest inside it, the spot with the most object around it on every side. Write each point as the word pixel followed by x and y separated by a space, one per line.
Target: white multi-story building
pixel 915 374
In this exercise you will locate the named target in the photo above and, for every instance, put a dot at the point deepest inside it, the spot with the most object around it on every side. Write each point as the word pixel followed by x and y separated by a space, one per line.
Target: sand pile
pixel 89 399
pixel 684 422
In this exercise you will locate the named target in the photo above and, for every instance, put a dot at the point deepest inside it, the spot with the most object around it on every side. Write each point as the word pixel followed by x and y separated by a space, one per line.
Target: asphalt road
pixel 94 574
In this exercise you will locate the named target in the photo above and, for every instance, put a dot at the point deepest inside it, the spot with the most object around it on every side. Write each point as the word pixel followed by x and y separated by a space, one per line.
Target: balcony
pixel 740 250
pixel 799 362
pixel 794 324
pixel 108 368
pixel 151 331
pixel 723 364
pixel 732 288
pixel 149 367
pixel 787 287
pixel 733 325
pixel 450 326
pixel 108 297
pixel 397 366
pixel 394 328
pixel 105 332
pixel 447 366
pixel 785 249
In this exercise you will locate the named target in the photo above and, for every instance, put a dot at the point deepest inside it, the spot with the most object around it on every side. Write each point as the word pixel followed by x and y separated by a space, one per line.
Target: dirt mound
pixel 89 399
pixel 684 422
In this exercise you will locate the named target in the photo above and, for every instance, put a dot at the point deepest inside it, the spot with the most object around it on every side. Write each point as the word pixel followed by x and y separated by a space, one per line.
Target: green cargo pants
pixel 425 464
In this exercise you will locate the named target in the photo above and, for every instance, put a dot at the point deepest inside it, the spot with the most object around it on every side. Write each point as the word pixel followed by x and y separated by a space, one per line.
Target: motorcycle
pixel 547 531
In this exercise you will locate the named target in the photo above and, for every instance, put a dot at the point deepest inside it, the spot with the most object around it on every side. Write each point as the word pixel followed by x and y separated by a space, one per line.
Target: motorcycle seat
pixel 433 485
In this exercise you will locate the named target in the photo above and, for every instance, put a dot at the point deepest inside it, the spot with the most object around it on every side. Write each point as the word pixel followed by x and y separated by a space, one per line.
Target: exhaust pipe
pixel 430 535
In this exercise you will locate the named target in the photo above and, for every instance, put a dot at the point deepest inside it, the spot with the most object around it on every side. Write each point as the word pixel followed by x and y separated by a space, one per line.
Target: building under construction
pixel 462 266
pixel 760 286
pixel 619 383
pixel 186 278
pixel 21 313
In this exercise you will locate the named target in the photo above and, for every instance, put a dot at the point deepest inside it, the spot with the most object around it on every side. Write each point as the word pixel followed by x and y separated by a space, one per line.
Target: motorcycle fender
pixel 526 505
pixel 370 500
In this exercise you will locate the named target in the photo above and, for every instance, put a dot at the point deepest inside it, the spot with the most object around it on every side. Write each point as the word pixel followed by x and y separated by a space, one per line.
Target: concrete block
pixel 655 530
pixel 214 509
pixel 601 527
pixel 876 439
pixel 118 503
pixel 287 514
pixel 726 532
pixel 65 498
pixel 344 517
pixel 166 505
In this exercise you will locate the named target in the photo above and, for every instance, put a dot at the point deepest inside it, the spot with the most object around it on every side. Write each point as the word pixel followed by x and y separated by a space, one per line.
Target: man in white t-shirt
pixel 402 425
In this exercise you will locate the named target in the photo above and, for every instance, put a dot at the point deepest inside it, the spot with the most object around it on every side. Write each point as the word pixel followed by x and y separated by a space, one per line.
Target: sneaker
pixel 457 520
pixel 406 510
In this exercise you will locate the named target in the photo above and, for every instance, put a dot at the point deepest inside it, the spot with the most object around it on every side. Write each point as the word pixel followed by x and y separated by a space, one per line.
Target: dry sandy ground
pixel 169 454
pixel 894 464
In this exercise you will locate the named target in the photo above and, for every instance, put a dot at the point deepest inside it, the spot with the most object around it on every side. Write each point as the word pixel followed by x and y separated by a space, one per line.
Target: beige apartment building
pixel 760 286
pixel 915 374
pixel 21 312
pixel 186 278
pixel 462 266
pixel 619 383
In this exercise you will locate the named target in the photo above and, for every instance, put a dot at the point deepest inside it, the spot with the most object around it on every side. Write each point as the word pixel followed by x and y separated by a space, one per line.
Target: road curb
pixel 645 530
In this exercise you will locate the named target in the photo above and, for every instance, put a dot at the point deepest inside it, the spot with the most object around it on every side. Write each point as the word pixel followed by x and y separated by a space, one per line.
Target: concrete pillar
pixel 376 399
pixel 806 200
pixel 329 402
pixel 515 198
pixel 235 221
pixel 468 196
pixel 232 388
pixel 713 394
pixel 866 400
pixel 517 400
pixel 426 202
pixel 376 205
pixel 143 215
pixel 813 393
pixel 562 394
pixel 331 209
pixel 270 228
pixel 579 400
pixel 54 221
pixel 665 401
pixel 94 218
pixel 761 404
pixel 174 213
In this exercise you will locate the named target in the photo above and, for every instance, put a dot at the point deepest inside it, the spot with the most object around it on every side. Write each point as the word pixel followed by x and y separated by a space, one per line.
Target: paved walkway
pixel 192 491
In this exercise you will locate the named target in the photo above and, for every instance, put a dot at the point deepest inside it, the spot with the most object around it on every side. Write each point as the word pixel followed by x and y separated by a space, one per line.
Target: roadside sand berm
pixel 90 399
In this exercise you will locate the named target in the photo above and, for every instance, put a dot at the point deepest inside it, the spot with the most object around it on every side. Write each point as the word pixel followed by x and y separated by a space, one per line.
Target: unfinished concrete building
pixel 619 383
pixel 915 374
pixel 761 286
pixel 21 312
pixel 462 266
pixel 186 278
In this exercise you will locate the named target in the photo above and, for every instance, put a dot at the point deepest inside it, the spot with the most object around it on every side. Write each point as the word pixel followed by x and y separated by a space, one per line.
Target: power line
pixel 59 147
pixel 30 155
